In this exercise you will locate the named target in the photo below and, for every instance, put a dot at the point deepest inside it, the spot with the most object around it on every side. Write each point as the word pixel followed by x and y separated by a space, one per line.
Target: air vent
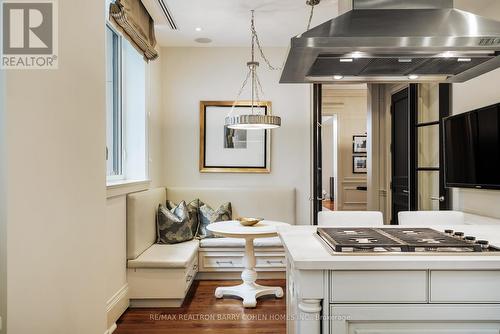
pixel 168 15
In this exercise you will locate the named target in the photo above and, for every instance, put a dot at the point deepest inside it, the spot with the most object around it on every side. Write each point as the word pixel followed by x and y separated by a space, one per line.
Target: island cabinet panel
pixel 414 319
pixel 362 287
pixel 460 286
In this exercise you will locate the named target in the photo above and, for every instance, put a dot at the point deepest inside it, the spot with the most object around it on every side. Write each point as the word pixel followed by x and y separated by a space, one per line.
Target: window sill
pixel 124 187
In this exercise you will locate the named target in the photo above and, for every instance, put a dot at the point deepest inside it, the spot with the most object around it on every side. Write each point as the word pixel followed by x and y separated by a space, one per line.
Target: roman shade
pixel 137 26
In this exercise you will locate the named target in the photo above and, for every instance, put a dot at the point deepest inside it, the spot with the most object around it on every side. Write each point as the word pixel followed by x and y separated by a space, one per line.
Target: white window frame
pixel 113 180
pixel 120 176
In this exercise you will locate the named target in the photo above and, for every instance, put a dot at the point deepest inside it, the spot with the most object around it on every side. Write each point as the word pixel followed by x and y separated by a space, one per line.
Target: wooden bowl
pixel 246 221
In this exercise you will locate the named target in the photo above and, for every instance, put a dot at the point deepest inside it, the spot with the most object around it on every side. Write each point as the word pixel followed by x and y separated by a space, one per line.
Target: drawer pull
pixel 275 262
pixel 189 278
pixel 224 262
pixel 195 267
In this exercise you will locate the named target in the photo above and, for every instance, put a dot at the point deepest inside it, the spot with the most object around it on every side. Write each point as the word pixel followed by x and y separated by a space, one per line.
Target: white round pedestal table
pixel 248 290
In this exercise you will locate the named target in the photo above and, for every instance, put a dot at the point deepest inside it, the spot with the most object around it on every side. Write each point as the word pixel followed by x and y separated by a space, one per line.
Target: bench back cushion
pixel 141 220
pixel 273 203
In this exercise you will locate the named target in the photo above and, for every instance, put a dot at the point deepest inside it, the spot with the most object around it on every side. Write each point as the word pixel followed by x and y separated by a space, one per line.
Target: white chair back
pixel 350 218
pixel 429 218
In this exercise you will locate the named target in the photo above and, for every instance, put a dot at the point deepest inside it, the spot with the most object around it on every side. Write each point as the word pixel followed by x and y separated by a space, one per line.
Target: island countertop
pixel 306 252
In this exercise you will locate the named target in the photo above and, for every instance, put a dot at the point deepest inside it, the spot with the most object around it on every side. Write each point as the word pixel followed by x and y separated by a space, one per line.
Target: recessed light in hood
pixel 427 38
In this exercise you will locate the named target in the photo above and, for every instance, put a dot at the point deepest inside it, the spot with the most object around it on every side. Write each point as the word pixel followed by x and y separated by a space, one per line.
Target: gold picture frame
pixel 222 108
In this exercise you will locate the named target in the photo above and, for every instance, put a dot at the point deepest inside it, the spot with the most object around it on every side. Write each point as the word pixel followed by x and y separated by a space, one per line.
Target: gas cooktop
pixel 401 240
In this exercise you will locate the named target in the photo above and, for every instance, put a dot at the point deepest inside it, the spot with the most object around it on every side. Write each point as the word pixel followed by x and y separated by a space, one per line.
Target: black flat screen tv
pixel 472 149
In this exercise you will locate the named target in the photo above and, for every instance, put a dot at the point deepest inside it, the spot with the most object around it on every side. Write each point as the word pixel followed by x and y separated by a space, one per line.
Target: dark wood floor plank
pixel 202 313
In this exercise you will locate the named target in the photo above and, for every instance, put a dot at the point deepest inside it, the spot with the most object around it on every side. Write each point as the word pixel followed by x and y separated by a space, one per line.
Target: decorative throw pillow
pixel 208 216
pixel 194 214
pixel 173 226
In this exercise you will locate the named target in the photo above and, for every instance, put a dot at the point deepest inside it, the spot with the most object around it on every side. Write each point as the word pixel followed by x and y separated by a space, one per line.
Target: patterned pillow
pixel 194 214
pixel 173 226
pixel 208 216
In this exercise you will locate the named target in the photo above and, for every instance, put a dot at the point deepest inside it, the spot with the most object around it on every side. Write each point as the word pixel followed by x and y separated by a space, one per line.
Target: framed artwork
pixel 359 144
pixel 359 165
pixel 224 150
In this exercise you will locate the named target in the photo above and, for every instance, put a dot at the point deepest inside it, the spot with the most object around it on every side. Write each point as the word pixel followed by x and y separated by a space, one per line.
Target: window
pixel 114 149
pixel 126 121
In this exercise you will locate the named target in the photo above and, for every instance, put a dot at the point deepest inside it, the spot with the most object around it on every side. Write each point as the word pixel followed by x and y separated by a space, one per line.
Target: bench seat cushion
pixel 238 242
pixel 167 256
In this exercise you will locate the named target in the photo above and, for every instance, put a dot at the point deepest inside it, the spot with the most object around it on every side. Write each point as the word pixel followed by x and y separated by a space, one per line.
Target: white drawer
pixel 459 286
pixel 223 262
pixel 190 274
pixel 270 261
pixel 378 287
pixel 233 261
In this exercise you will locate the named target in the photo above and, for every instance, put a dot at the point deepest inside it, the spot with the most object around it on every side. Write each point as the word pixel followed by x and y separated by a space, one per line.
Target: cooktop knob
pixel 448 231
pixel 470 239
pixel 459 235
pixel 485 244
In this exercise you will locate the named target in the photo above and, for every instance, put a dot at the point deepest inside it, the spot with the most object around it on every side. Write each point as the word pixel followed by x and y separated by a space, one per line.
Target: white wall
pixel 350 106
pixel 56 183
pixel 475 93
pixel 194 74
pixel 116 210
pixel 328 167
pixel 3 213
pixel 479 92
pixel 156 131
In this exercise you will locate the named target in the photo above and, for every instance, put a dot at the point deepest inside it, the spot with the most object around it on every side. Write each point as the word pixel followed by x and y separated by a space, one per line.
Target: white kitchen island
pixel 390 294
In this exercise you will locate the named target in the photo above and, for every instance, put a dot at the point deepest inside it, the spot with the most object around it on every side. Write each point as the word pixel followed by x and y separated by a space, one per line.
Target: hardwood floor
pixel 203 313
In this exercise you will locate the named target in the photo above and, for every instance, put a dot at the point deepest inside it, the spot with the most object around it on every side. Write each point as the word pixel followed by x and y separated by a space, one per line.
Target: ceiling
pixel 227 22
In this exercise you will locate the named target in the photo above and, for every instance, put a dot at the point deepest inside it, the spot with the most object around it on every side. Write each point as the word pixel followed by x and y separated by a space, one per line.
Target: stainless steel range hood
pixel 395 40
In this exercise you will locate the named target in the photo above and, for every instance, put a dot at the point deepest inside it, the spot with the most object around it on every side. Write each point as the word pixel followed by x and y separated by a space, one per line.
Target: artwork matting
pixel 224 150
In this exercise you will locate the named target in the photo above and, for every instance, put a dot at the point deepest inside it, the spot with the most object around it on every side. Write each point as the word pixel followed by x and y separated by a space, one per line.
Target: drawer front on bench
pixel 190 274
pixel 233 261
pixel 378 287
pixel 460 286
pixel 223 262
pixel 270 261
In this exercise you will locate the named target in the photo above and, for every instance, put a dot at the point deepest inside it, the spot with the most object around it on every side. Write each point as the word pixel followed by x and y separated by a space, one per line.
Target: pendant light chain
pixel 253 120
pixel 252 72
pixel 261 51
pixel 311 3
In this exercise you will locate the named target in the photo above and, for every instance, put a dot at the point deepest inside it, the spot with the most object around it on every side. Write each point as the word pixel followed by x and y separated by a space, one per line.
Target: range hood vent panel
pixel 414 33
pixel 392 66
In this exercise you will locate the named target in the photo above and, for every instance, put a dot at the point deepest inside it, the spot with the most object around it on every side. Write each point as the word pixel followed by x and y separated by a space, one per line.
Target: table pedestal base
pixel 249 291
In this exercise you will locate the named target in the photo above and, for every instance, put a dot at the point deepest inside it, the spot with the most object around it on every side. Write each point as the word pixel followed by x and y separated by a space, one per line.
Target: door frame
pixel 445 105
pixel 317 175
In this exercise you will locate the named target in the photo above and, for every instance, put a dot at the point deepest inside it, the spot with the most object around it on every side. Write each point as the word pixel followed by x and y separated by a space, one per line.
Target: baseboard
pixel 111 329
pixel 237 275
pixel 117 305
pixel 140 303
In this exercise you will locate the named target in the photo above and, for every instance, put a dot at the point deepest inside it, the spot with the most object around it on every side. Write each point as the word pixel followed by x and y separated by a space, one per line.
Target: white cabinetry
pixel 414 319
pixel 393 301
pixel 428 301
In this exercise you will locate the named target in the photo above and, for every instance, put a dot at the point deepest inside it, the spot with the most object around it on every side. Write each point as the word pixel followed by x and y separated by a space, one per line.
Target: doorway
pixel 417 148
pixel 329 132
pixel 339 161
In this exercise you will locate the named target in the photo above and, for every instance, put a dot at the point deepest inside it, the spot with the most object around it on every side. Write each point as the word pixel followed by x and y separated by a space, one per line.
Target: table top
pixel 234 229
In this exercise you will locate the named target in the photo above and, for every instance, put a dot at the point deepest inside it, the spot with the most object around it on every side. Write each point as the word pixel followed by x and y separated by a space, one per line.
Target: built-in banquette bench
pixel 160 275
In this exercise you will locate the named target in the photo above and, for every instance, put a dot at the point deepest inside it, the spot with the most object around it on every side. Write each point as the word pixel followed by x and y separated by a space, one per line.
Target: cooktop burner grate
pixel 394 239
